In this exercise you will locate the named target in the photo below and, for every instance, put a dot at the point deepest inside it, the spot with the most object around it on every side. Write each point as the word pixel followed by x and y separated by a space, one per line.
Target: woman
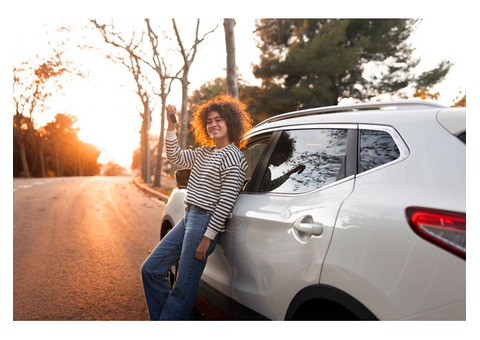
pixel 218 172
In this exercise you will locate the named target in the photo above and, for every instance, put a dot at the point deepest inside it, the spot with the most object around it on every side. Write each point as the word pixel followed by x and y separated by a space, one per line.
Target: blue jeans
pixel 180 244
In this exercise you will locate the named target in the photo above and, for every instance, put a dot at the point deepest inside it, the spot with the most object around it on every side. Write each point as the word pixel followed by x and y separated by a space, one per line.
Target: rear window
pixel 463 137
pixel 376 149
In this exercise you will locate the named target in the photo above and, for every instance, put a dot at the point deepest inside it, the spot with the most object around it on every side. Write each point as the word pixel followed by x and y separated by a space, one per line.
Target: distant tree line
pixel 53 149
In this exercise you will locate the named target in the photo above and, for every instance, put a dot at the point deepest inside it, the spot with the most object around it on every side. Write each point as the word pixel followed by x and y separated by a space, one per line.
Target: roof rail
pixel 404 104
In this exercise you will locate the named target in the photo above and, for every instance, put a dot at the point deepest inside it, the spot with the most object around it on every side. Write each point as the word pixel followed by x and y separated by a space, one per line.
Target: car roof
pixel 382 113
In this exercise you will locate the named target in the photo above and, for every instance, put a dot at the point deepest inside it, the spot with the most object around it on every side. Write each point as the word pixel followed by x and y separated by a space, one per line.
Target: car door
pixel 283 220
pixel 217 276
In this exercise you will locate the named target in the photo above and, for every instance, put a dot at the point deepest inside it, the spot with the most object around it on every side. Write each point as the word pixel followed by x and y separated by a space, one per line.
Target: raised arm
pixel 174 153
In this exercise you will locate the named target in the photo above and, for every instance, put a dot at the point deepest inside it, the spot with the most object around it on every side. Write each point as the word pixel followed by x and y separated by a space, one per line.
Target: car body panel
pixel 271 262
pixel 454 120
pixel 218 272
pixel 388 267
pixel 175 207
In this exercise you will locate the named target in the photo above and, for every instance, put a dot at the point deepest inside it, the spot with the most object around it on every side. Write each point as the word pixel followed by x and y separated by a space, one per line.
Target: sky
pixel 108 109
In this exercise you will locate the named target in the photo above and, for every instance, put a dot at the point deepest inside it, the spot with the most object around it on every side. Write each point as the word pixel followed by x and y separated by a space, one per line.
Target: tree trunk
pixel 148 171
pixel 57 165
pixel 42 163
pixel 161 139
pixel 23 157
pixel 145 144
pixel 41 146
pixel 143 160
pixel 143 150
pixel 184 114
pixel 80 170
pixel 232 87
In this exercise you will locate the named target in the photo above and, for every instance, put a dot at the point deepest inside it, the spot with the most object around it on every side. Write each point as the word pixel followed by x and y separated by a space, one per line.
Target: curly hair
pixel 286 145
pixel 231 110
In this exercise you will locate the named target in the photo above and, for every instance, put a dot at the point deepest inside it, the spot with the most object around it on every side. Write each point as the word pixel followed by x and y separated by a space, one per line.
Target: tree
pixel 136 156
pixel 22 154
pixel 460 100
pixel 70 156
pixel 33 83
pixel 232 87
pixel 188 58
pixel 308 63
pixel 64 153
pixel 113 169
pixel 89 159
pixel 159 66
pixel 252 96
pixel 131 59
pixel 424 93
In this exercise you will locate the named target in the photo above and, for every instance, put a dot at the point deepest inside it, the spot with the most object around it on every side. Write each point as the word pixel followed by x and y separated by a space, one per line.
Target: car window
pixel 305 160
pixel 253 153
pixel 376 148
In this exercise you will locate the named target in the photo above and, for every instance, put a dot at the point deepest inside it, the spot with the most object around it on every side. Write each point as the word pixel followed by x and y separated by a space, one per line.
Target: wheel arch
pixel 328 296
pixel 166 223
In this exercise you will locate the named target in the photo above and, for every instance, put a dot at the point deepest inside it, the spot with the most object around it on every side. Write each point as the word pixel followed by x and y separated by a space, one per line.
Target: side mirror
pixel 182 176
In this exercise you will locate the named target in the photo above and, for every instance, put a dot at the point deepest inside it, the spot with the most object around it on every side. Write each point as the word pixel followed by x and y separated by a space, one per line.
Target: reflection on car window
pixel 376 148
pixel 305 160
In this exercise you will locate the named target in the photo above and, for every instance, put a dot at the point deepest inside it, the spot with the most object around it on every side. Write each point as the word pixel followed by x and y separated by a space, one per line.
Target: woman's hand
pixel 201 253
pixel 171 110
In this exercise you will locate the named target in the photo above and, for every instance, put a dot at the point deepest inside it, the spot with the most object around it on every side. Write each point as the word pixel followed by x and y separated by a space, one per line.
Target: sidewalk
pixel 162 193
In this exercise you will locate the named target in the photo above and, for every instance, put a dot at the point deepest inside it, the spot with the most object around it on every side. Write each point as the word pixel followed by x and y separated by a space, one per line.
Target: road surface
pixel 78 245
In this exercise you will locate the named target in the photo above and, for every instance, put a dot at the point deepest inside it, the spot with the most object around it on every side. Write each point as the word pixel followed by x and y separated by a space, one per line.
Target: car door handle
pixel 308 226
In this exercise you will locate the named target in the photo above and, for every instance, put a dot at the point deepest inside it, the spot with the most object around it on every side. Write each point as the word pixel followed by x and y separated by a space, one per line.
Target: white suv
pixel 348 212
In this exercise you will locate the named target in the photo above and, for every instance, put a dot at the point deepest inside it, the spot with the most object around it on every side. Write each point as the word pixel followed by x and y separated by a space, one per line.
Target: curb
pixel 150 191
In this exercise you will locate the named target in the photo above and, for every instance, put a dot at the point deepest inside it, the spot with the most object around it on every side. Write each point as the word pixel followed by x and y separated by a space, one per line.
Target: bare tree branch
pixel 133 65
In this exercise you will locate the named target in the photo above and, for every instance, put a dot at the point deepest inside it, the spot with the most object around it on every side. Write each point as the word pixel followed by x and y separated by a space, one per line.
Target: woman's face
pixel 216 126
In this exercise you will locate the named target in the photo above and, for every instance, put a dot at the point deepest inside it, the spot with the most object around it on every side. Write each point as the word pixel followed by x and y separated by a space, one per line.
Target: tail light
pixel 443 228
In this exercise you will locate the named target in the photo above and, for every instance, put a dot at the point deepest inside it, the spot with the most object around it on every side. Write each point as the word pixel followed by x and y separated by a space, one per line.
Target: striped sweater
pixel 215 180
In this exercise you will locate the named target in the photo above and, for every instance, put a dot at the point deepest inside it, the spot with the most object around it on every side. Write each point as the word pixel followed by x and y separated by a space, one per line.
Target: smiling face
pixel 217 128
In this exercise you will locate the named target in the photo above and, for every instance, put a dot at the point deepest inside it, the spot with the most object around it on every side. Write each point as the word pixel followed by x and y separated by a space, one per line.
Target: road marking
pixel 26 186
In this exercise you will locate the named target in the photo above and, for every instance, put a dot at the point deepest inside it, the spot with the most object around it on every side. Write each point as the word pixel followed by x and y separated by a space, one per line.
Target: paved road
pixel 78 245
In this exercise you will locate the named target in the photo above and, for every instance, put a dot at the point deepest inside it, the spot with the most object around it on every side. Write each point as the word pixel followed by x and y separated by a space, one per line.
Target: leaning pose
pixel 218 173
